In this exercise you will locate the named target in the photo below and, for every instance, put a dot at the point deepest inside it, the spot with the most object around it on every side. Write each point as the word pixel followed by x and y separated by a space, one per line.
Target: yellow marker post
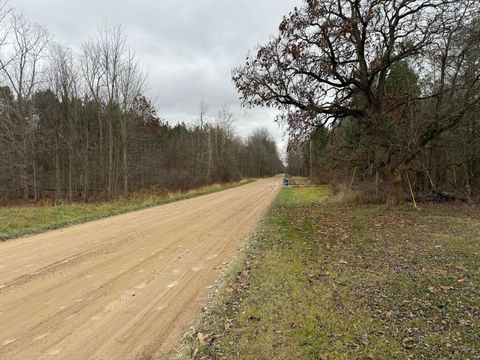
pixel 353 179
pixel 411 190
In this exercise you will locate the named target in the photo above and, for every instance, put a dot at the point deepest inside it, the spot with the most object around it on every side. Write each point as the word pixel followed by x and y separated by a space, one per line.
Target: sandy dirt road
pixel 125 287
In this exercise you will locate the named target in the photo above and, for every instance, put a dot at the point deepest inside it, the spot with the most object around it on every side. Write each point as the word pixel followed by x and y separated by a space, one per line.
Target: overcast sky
pixel 188 47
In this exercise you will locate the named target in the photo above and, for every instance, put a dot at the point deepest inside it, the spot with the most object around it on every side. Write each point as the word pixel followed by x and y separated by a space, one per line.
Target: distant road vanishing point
pixel 121 287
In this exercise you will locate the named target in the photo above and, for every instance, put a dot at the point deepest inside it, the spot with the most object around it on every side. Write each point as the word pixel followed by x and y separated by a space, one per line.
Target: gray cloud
pixel 188 47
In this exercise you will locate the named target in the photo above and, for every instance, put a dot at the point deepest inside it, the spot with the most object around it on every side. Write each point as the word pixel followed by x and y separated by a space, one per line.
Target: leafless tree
pixel 65 82
pixel 78 123
pixel 112 47
pixel 20 65
pixel 132 82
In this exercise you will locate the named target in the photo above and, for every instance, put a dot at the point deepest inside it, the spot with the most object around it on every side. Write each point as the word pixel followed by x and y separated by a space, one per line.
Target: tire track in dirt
pixel 122 287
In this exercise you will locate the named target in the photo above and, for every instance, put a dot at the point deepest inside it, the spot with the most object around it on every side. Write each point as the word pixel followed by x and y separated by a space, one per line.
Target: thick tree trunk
pixel 394 189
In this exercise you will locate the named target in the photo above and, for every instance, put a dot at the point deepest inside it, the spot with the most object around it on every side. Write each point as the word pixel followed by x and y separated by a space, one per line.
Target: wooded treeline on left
pixel 77 125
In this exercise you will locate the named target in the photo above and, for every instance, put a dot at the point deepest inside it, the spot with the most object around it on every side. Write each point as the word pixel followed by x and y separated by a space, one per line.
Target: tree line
pixel 77 124
pixel 385 94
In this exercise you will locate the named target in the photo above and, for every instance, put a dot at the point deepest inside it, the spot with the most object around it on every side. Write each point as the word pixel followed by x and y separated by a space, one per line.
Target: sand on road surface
pixel 125 287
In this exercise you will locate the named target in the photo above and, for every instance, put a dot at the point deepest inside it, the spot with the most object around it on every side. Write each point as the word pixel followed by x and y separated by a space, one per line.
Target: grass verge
pixel 325 280
pixel 17 221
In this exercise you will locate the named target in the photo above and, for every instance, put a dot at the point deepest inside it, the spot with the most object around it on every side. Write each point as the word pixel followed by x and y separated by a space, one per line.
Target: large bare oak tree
pixel 332 59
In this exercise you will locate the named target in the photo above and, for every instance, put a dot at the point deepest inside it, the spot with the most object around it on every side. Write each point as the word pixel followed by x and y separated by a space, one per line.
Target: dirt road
pixel 125 287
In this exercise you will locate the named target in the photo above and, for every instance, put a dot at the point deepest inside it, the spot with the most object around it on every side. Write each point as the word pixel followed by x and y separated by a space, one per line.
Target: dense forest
pixel 381 95
pixel 77 124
